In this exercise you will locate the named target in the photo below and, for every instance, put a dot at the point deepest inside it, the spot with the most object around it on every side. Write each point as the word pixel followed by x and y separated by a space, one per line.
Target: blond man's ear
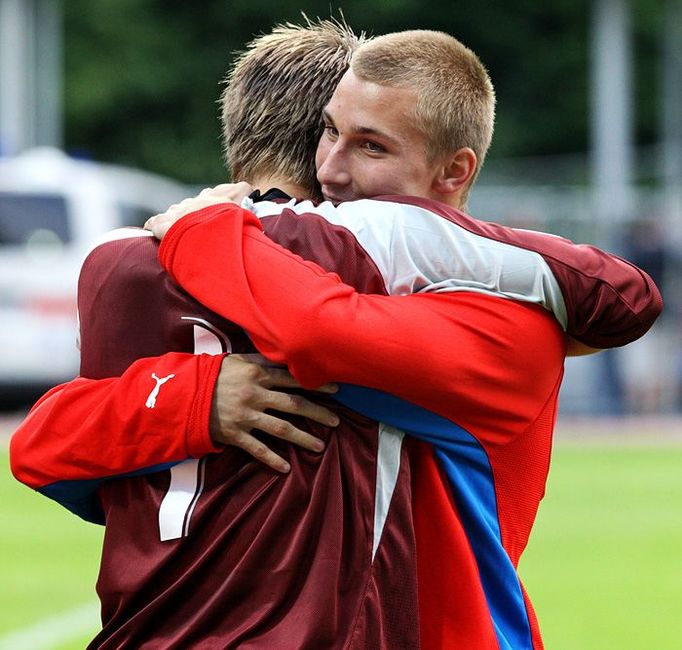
pixel 456 172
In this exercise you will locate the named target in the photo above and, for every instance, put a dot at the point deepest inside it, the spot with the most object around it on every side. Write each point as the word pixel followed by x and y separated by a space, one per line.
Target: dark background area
pixel 143 76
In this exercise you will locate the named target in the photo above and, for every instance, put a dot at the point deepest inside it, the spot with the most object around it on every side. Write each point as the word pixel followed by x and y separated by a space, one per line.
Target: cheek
pixel 370 178
pixel 413 180
pixel 391 178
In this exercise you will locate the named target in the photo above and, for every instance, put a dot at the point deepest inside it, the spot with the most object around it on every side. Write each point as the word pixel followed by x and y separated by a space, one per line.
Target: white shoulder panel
pixel 417 250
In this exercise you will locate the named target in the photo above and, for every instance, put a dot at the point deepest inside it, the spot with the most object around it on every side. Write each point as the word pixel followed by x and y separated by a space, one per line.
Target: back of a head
pixel 455 96
pixel 274 96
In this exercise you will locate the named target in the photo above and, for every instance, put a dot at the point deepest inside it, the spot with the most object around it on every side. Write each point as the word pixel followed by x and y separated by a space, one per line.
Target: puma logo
pixel 151 400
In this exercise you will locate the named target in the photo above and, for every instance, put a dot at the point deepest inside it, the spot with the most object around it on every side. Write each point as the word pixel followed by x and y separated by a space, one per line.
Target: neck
pixel 264 183
pixel 456 199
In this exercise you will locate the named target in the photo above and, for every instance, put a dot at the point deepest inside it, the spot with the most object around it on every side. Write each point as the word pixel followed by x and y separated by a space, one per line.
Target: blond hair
pixel 455 97
pixel 274 96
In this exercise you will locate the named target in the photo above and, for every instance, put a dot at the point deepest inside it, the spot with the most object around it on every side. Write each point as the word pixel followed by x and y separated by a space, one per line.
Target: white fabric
pixel 207 338
pixel 417 250
pixel 176 508
pixel 388 468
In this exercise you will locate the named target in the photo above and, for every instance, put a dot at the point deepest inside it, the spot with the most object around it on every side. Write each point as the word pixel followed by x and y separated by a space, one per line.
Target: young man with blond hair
pixel 391 544
pixel 441 104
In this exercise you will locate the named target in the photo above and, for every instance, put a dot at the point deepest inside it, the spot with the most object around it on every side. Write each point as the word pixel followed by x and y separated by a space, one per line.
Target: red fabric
pixel 444 563
pixel 436 350
pixel 609 301
pixel 264 559
pixel 492 366
pixel 469 357
pixel 269 560
pixel 260 559
pixel 114 407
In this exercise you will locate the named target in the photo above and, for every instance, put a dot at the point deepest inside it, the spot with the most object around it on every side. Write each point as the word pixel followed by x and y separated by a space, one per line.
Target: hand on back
pixel 245 391
pixel 226 193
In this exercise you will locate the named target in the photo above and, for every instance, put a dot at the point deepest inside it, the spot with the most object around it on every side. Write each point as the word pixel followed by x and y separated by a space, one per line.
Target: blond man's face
pixel 370 145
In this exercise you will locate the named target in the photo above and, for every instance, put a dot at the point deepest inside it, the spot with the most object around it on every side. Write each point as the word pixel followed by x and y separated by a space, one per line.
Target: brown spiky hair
pixel 274 95
pixel 455 104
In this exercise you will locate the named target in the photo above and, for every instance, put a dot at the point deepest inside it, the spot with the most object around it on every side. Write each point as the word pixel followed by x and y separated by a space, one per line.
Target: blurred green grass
pixel 604 563
pixel 603 567
pixel 48 559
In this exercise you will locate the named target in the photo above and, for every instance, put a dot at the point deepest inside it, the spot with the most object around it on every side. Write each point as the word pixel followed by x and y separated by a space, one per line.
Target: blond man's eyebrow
pixel 376 133
pixel 361 130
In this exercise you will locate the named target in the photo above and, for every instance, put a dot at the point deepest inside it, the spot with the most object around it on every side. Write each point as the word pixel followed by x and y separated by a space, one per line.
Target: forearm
pixel 89 429
pixel 432 349
pixel 601 300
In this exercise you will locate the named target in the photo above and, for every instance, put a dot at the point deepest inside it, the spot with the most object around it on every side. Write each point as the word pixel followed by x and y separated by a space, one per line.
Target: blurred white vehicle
pixel 52 207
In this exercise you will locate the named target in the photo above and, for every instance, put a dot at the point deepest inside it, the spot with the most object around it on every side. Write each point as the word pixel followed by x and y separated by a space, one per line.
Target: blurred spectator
pixel 650 366
pixel 646 248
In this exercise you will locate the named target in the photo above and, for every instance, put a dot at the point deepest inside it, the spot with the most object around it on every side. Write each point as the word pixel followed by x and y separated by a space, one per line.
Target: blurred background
pixel 108 114
pixel 588 144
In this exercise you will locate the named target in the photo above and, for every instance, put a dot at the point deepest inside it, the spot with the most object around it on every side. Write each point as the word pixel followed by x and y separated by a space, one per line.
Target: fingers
pixel 273 426
pixel 261 452
pixel 288 432
pixel 298 405
pixel 275 377
pixel 160 224
pixel 234 192
pixel 226 193
pixel 244 400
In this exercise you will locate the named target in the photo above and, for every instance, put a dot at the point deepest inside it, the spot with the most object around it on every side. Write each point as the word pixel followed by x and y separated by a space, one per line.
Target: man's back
pixel 249 558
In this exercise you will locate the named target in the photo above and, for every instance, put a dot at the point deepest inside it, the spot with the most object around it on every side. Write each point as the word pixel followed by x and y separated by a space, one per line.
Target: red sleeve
pixel 451 353
pixel 62 438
